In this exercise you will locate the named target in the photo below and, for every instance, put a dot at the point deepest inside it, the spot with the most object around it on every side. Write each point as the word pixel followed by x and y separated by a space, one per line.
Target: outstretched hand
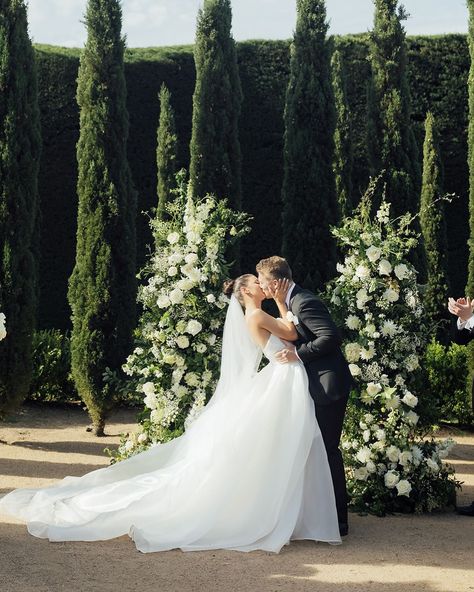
pixel 462 308
pixel 279 291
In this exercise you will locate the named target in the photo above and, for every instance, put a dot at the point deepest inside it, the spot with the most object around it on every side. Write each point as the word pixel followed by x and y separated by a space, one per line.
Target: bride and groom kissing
pixel 261 464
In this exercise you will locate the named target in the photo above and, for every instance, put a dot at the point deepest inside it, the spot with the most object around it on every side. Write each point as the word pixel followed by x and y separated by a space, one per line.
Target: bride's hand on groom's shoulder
pixel 279 291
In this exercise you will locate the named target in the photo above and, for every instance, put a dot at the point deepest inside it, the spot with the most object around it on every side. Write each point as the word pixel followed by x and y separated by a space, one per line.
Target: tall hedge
pixel 102 286
pixel 310 205
pixel 343 146
pixel 215 165
pixel 166 152
pixel 437 70
pixel 433 227
pixel 390 139
pixel 20 148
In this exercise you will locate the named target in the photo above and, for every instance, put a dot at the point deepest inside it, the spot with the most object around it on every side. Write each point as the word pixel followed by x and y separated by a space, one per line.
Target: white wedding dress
pixel 250 473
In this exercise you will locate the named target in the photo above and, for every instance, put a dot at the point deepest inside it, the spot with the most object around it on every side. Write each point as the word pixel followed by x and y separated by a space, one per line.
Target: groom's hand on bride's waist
pixel 287 355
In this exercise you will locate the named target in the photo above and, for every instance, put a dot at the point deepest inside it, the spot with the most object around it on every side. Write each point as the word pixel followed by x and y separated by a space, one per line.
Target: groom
pixel 330 381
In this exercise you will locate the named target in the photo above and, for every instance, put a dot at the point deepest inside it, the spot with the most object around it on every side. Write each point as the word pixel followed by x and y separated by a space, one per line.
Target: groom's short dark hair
pixel 275 267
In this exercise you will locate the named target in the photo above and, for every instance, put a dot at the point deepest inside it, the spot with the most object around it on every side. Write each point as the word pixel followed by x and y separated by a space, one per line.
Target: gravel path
pixel 398 553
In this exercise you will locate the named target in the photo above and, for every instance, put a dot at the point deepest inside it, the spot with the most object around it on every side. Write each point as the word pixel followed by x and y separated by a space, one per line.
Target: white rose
pixel 352 351
pixel 354 369
pixel 191 258
pixel 353 322
pixel 393 453
pixel 405 458
pixel 380 435
pixel 163 301
pixel 211 340
pixel 172 271
pixel 211 298
pixel 193 327
pixel 403 487
pixel 148 388
pixel 173 238
pixel 142 438
pixel 389 329
pixel 371 467
pixel 185 284
pixel 362 272
pixel 366 435
pixel 373 254
pixel 129 445
pixel 175 258
pixel 364 455
pixel 385 267
pixel 201 348
pixel 411 418
pixel 391 478
pixel 410 399
pixel 176 296
pixel 182 341
pixel 373 388
pixel 361 474
pixel 401 271
pixel 391 295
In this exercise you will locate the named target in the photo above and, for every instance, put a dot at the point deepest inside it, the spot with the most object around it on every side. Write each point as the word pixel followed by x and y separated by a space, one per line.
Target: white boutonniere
pixel 292 318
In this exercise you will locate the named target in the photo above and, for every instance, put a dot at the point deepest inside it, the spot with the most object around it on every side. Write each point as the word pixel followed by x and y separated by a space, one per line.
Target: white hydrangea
pixel 352 351
pixel 173 238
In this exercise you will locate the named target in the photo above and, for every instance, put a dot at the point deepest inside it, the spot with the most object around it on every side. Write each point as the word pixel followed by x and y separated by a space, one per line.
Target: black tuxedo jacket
pixel 461 336
pixel 319 348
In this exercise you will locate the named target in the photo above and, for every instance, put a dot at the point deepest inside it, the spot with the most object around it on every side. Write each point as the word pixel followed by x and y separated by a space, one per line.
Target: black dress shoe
pixel 466 510
pixel 343 528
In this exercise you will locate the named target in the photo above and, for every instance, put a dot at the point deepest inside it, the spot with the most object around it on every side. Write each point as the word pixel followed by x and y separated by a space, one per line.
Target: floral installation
pixel 3 330
pixel 176 360
pixel 391 467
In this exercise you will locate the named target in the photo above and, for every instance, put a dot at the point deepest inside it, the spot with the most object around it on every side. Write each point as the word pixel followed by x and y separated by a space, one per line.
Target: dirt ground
pixel 398 553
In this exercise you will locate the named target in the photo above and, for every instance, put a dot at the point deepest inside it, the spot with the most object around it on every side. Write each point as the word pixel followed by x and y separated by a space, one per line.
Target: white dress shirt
pixel 288 296
pixel 469 324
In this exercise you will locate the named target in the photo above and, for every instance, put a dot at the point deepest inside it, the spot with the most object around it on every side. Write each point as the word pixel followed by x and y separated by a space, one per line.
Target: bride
pixel 250 473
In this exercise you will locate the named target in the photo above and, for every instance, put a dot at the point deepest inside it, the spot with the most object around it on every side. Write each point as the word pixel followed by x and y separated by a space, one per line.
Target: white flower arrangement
pixel 177 355
pixel 379 306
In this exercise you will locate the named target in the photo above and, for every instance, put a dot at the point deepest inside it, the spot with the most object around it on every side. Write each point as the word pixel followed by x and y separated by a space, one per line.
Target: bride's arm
pixel 283 329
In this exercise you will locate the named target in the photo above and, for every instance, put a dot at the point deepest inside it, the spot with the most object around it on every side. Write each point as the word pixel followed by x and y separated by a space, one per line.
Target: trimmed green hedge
pixel 438 69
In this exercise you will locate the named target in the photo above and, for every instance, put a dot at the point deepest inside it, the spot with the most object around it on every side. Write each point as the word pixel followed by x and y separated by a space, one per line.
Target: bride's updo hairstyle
pixel 234 286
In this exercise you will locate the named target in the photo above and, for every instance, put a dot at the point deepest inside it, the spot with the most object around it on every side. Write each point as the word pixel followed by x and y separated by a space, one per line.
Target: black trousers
pixel 330 419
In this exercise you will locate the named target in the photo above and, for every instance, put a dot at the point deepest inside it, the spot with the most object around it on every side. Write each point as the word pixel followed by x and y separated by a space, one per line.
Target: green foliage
pixel 215 165
pixel 343 149
pixel 433 228
pixel 437 71
pixel 310 204
pixel 442 384
pixel 20 147
pixel 102 286
pixel 52 380
pixel 166 157
pixel 390 139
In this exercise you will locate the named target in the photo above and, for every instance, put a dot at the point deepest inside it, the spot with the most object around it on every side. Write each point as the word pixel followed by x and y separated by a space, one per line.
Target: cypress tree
pixel 390 139
pixel 20 147
pixel 102 286
pixel 166 153
pixel 310 204
pixel 215 165
pixel 433 226
pixel 343 147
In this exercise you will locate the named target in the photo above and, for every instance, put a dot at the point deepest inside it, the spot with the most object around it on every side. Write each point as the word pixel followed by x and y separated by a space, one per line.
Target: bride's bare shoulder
pixel 255 317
